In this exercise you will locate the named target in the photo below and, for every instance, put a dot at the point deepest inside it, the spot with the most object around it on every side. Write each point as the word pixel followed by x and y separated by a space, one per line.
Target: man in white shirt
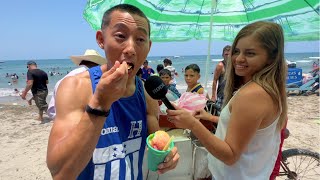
pixel 168 65
pixel 90 59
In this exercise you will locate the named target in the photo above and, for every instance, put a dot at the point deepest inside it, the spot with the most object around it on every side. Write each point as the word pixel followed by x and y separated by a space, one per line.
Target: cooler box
pixel 294 76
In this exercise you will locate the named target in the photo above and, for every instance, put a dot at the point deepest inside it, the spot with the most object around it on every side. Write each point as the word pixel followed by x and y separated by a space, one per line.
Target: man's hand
pixel 170 162
pixel 111 87
pixel 23 95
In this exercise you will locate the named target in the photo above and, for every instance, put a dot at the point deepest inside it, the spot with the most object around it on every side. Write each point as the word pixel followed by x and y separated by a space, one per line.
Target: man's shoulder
pixel 77 71
pixel 220 66
pixel 71 73
pixel 76 82
pixel 37 71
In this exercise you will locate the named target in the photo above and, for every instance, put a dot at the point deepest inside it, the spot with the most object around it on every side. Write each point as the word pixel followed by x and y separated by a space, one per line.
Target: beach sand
pixel 23 140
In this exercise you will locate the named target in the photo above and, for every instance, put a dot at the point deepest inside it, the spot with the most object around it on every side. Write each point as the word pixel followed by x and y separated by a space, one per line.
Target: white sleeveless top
pixel 256 162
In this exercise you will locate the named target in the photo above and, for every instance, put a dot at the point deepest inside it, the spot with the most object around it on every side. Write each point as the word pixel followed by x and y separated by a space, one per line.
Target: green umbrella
pixel 181 20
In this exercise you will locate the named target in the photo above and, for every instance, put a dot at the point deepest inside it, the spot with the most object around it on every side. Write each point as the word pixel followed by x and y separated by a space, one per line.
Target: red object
pixel 163 122
pixel 276 168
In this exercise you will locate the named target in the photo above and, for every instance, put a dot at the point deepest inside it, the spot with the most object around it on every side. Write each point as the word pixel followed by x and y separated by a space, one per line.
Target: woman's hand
pixel 202 114
pixel 181 118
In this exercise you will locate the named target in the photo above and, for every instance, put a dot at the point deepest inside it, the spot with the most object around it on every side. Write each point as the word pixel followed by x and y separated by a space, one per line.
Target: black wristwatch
pixel 97 112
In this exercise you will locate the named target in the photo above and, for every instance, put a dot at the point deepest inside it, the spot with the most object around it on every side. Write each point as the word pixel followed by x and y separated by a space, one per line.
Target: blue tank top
pixel 120 149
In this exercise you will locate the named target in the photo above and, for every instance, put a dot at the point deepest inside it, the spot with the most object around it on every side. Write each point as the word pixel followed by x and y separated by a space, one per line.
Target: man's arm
pixel 75 133
pixel 152 114
pixel 217 73
pixel 27 89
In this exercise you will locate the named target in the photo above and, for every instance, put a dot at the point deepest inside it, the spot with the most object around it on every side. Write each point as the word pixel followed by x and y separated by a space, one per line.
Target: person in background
pixel 165 76
pixel 192 76
pixel 219 72
pixel 246 143
pixel 16 90
pixel 159 68
pixel 168 65
pixel 37 82
pixel 90 59
pixel 104 115
pixel 147 71
pixel 139 73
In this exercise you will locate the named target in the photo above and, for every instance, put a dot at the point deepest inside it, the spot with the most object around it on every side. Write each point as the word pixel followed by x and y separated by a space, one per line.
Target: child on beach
pixel 191 76
pixel 159 68
pixel 166 77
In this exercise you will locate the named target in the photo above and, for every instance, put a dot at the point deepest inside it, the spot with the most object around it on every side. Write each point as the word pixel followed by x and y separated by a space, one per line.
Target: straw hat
pixel 90 55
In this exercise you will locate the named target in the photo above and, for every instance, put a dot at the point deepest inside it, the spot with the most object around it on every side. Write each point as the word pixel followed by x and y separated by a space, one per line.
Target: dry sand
pixel 23 140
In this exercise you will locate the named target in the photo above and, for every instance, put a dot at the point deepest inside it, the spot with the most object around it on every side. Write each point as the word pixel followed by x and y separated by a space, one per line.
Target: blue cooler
pixel 294 76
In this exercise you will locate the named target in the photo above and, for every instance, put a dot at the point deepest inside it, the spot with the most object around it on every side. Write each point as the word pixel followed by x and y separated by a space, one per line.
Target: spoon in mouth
pixel 130 66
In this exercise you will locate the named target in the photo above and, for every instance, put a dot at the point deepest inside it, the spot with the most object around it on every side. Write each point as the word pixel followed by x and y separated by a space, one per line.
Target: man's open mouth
pixel 130 66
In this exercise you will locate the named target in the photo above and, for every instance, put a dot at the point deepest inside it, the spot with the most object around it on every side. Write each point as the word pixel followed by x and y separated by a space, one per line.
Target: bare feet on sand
pixel 39 119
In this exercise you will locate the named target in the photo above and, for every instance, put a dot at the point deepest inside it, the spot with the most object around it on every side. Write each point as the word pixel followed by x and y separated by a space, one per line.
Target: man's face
pixel 145 65
pixel 31 66
pixel 126 38
pixel 226 53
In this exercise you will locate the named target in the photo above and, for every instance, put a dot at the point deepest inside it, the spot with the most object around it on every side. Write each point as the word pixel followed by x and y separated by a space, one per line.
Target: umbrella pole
pixel 209 45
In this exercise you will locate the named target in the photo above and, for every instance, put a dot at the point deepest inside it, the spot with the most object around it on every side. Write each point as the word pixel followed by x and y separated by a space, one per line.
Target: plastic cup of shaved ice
pixel 155 154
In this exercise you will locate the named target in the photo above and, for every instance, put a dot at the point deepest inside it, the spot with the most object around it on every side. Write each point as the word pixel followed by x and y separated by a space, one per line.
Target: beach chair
pixel 308 86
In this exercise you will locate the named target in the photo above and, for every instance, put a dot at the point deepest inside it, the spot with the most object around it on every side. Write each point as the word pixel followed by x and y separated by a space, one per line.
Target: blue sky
pixel 43 29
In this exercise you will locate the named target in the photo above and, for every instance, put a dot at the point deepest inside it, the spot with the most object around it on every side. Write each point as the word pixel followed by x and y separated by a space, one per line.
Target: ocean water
pixel 62 66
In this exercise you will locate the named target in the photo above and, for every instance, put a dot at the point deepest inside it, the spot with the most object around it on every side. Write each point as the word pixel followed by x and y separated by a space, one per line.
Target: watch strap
pixel 97 112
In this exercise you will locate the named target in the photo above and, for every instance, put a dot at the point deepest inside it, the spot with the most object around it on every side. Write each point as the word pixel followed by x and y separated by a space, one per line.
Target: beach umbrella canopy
pixel 182 20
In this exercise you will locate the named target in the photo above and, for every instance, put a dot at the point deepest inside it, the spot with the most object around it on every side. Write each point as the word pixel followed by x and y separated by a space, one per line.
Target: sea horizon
pixel 317 54
pixel 60 67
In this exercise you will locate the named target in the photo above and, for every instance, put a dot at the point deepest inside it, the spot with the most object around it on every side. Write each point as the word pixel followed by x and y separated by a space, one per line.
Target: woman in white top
pixel 247 139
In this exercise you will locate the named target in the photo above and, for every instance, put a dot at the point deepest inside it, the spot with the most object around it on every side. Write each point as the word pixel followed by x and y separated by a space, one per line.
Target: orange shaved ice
pixel 159 140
